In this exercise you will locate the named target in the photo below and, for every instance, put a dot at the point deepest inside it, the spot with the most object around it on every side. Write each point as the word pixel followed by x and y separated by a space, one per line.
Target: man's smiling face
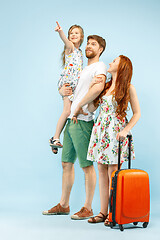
pixel 92 48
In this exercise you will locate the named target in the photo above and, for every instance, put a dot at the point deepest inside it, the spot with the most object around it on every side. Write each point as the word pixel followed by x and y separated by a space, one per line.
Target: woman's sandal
pixel 98 219
pixel 55 143
pixel 107 222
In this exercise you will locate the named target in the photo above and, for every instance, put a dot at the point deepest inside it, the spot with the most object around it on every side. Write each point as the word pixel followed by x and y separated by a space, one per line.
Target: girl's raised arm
pixel 68 44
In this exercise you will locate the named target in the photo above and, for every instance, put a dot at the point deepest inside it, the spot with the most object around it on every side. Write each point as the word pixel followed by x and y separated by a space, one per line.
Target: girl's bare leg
pixel 62 120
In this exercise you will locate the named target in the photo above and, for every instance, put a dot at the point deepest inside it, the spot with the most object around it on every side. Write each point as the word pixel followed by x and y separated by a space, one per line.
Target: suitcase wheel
pixel 112 225
pixel 145 224
pixel 121 227
pixel 135 223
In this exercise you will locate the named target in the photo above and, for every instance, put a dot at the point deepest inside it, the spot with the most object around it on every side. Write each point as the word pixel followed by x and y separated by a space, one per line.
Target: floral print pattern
pixel 103 146
pixel 72 69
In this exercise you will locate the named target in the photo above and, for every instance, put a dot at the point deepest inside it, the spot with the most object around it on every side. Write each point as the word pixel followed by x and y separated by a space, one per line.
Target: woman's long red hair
pixel 122 85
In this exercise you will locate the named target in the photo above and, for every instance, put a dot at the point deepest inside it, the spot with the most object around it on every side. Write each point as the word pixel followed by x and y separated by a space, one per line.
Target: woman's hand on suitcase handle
pixel 121 135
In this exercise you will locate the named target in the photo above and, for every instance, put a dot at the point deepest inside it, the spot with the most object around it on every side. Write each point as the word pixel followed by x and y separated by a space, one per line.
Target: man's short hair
pixel 101 41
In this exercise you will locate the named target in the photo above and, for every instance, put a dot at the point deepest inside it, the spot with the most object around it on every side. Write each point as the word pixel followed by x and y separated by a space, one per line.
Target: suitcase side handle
pixel 129 155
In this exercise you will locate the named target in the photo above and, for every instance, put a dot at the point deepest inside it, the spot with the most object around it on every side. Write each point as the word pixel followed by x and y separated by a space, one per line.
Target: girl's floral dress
pixel 72 69
pixel 103 146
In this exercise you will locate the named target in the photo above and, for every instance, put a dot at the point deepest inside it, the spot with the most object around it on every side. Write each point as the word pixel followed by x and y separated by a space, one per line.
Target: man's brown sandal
pixel 98 219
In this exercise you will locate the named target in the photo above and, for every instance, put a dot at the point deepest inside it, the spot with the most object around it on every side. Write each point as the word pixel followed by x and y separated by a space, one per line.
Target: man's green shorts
pixel 75 142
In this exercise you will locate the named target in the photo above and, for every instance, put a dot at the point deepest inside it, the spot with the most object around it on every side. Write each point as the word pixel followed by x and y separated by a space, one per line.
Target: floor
pixel 28 223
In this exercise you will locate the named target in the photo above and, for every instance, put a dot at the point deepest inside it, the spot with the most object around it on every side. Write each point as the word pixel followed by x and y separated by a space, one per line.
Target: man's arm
pixel 93 92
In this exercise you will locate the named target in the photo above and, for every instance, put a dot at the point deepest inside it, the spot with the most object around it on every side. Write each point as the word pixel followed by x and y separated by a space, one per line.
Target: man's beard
pixel 90 55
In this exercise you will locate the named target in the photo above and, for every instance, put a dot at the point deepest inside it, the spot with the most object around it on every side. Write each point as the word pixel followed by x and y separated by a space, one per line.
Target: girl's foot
pixel 55 143
pixel 107 222
pixel 99 218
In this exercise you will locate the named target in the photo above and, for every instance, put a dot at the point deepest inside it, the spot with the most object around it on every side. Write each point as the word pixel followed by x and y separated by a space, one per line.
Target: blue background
pixel 30 175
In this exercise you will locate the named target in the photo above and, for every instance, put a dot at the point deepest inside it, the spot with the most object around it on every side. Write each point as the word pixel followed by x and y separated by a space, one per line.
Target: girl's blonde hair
pixel 81 39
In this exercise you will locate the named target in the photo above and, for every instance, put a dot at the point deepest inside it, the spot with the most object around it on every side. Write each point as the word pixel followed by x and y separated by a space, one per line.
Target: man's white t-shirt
pixel 82 88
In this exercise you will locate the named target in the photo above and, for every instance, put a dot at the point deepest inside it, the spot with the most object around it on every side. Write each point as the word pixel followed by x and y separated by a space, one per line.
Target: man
pixel 77 136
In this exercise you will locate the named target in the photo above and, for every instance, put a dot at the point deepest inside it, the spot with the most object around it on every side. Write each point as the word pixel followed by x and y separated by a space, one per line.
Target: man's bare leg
pixel 90 184
pixel 67 183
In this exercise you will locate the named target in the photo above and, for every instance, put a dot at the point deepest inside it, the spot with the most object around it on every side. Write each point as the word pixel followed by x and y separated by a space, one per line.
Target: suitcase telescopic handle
pixel 110 200
pixel 129 156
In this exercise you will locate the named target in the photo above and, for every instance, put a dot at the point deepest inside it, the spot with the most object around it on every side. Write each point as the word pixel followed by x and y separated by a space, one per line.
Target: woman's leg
pixel 105 172
pixel 111 169
pixel 62 120
pixel 103 187
pixel 104 193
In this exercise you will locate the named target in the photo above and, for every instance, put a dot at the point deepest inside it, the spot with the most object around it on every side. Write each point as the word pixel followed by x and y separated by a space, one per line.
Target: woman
pixel 112 125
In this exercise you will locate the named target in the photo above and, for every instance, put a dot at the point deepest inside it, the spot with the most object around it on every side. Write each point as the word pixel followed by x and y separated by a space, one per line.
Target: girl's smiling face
pixel 75 36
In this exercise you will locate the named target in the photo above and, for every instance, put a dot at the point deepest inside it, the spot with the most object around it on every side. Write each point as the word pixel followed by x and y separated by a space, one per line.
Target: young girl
pixel 73 63
pixel 112 125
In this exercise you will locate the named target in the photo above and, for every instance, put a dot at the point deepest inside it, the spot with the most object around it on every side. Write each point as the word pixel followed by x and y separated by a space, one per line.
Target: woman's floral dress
pixel 103 146
pixel 72 69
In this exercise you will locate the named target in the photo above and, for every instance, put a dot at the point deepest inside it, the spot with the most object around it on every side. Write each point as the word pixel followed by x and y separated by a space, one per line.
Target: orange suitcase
pixel 129 195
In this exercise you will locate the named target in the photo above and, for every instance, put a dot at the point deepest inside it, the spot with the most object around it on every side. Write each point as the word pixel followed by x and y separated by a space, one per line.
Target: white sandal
pixel 55 143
